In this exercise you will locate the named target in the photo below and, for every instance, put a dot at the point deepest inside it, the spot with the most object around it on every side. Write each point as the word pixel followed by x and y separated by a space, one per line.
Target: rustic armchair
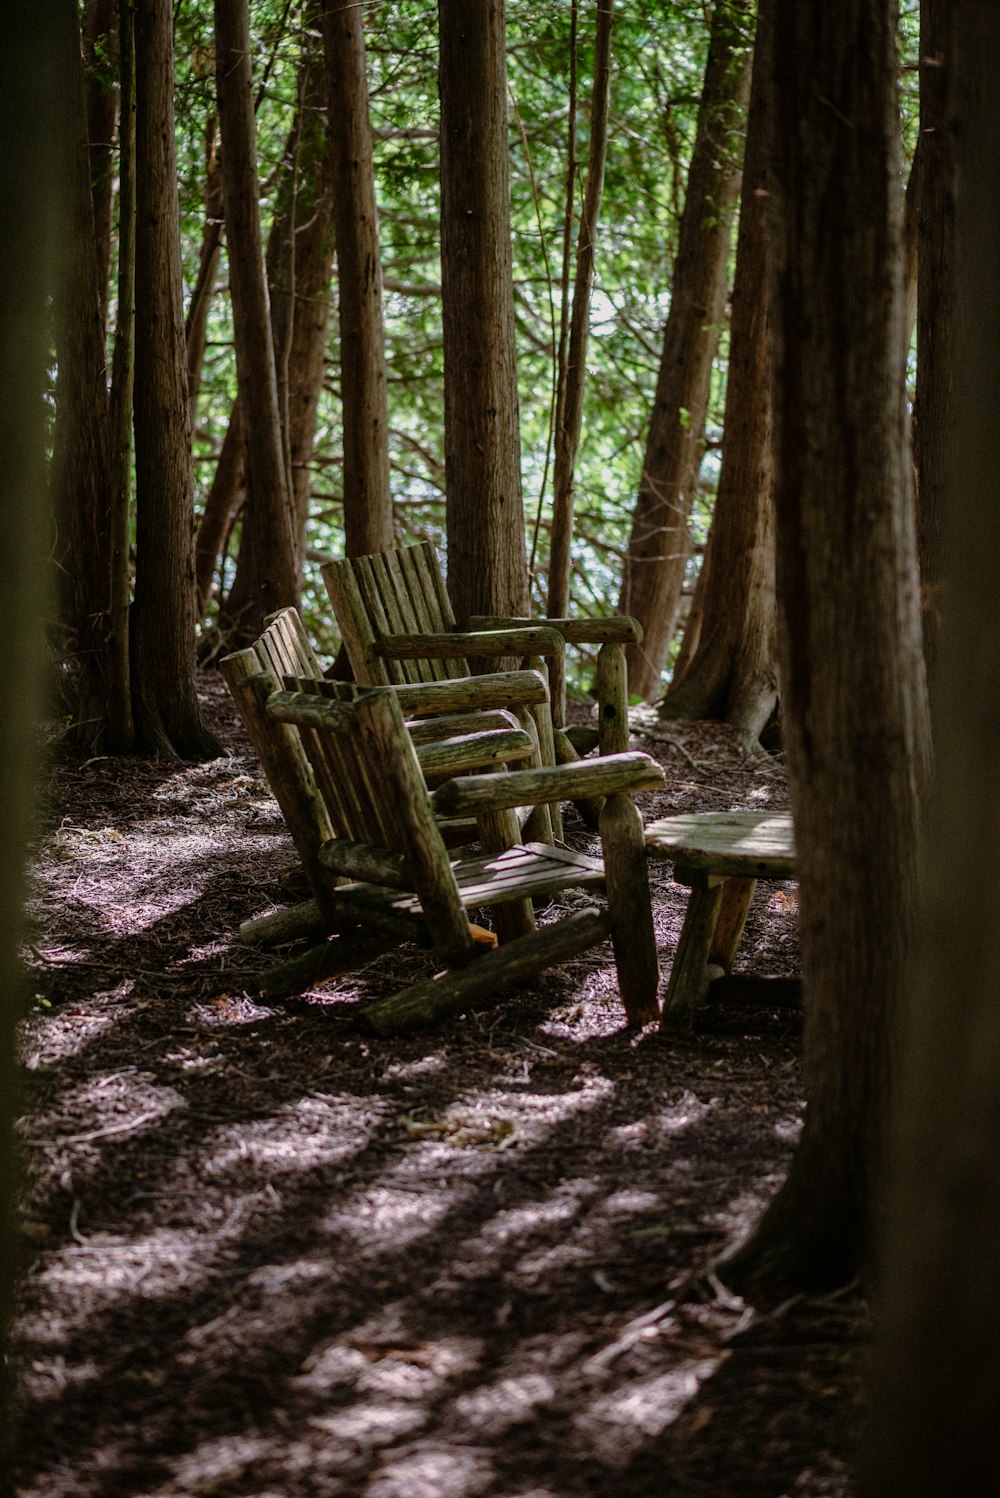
pixel 398 625
pixel 385 840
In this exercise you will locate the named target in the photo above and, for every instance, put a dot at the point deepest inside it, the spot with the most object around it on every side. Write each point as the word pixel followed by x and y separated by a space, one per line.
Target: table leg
pixel 736 897
pixel 695 944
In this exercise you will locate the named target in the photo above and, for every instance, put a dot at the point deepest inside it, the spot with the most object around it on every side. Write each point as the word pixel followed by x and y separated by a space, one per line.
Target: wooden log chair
pixel 385 839
pixel 456 725
pixel 398 625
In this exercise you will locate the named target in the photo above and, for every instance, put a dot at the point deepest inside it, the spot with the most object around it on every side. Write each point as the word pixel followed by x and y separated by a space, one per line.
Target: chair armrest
pixel 470 795
pixel 470 693
pixel 456 694
pixel 453 725
pixel 616 629
pixel 468 751
pixel 523 639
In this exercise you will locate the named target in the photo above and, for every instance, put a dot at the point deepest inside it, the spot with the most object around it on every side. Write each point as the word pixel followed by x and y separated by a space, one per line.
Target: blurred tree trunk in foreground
pixel 854 708
pixel 934 1427
pixel 39 87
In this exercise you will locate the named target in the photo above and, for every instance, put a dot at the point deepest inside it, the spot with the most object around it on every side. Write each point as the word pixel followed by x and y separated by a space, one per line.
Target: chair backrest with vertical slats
pixel 391 592
pixel 358 809
pixel 366 767
pixel 285 648
pixel 250 677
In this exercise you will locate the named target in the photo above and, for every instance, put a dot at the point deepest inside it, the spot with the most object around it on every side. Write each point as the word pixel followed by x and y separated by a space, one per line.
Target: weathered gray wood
pixel 500 689
pixel 367 773
pixel 498 831
pixel 618 629
pixel 582 737
pixel 688 968
pixel 469 751
pixel 281 753
pixel 370 865
pixel 721 855
pixel 454 725
pixel 406 613
pixel 736 897
pixel 612 699
pixel 286 646
pixel 473 794
pixel 545 821
pixel 318 964
pixel 628 901
pixel 534 869
pixel 511 689
pixel 528 640
pixel 287 924
pixel 352 619
pixel 449 993
pixel 384 733
pixel 748 844
pixel 398 626
pixel 307 711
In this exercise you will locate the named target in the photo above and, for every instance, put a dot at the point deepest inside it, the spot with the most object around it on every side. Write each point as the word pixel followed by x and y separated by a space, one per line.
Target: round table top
pixel 746 844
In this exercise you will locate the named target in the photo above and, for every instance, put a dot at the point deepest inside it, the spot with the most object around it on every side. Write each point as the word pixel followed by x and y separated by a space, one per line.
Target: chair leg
pixel 450 992
pixel 499 830
pixel 548 827
pixel 631 914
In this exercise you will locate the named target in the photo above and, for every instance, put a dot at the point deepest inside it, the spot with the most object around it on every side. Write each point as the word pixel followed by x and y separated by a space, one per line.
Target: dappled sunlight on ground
pixel 268 1257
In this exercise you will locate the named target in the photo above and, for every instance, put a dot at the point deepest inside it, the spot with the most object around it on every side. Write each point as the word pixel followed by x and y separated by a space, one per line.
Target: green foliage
pixel 658 62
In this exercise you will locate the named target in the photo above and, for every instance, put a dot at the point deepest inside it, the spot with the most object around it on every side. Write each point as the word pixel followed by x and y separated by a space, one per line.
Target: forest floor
pixel 265 1256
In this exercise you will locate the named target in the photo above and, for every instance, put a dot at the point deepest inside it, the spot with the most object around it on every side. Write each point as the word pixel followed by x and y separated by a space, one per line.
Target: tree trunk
pixel 572 373
pixel 487 568
pixel 934 406
pixel 33 177
pixel 299 265
pixel 299 275
pixel 267 576
pixel 167 716
pixel 732 675
pixel 223 502
pixel 196 323
pixel 659 545
pixel 852 664
pixel 120 727
pixel 367 500
pixel 99 36
pixel 81 473
pixel 933 1391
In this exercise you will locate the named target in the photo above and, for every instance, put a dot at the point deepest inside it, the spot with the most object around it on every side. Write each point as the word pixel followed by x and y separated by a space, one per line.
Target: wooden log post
pixel 289 924
pixel 499 830
pixel 449 993
pixel 545 824
pixel 736 897
pixel 612 699
pixel 693 948
pixel 629 905
pixel 384 731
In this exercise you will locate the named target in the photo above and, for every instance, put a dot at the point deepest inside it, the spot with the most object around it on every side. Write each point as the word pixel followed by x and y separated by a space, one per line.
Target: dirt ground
pixel 265 1256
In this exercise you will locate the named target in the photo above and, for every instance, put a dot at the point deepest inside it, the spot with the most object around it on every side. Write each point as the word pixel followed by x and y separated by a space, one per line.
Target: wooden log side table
pixel 720 855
